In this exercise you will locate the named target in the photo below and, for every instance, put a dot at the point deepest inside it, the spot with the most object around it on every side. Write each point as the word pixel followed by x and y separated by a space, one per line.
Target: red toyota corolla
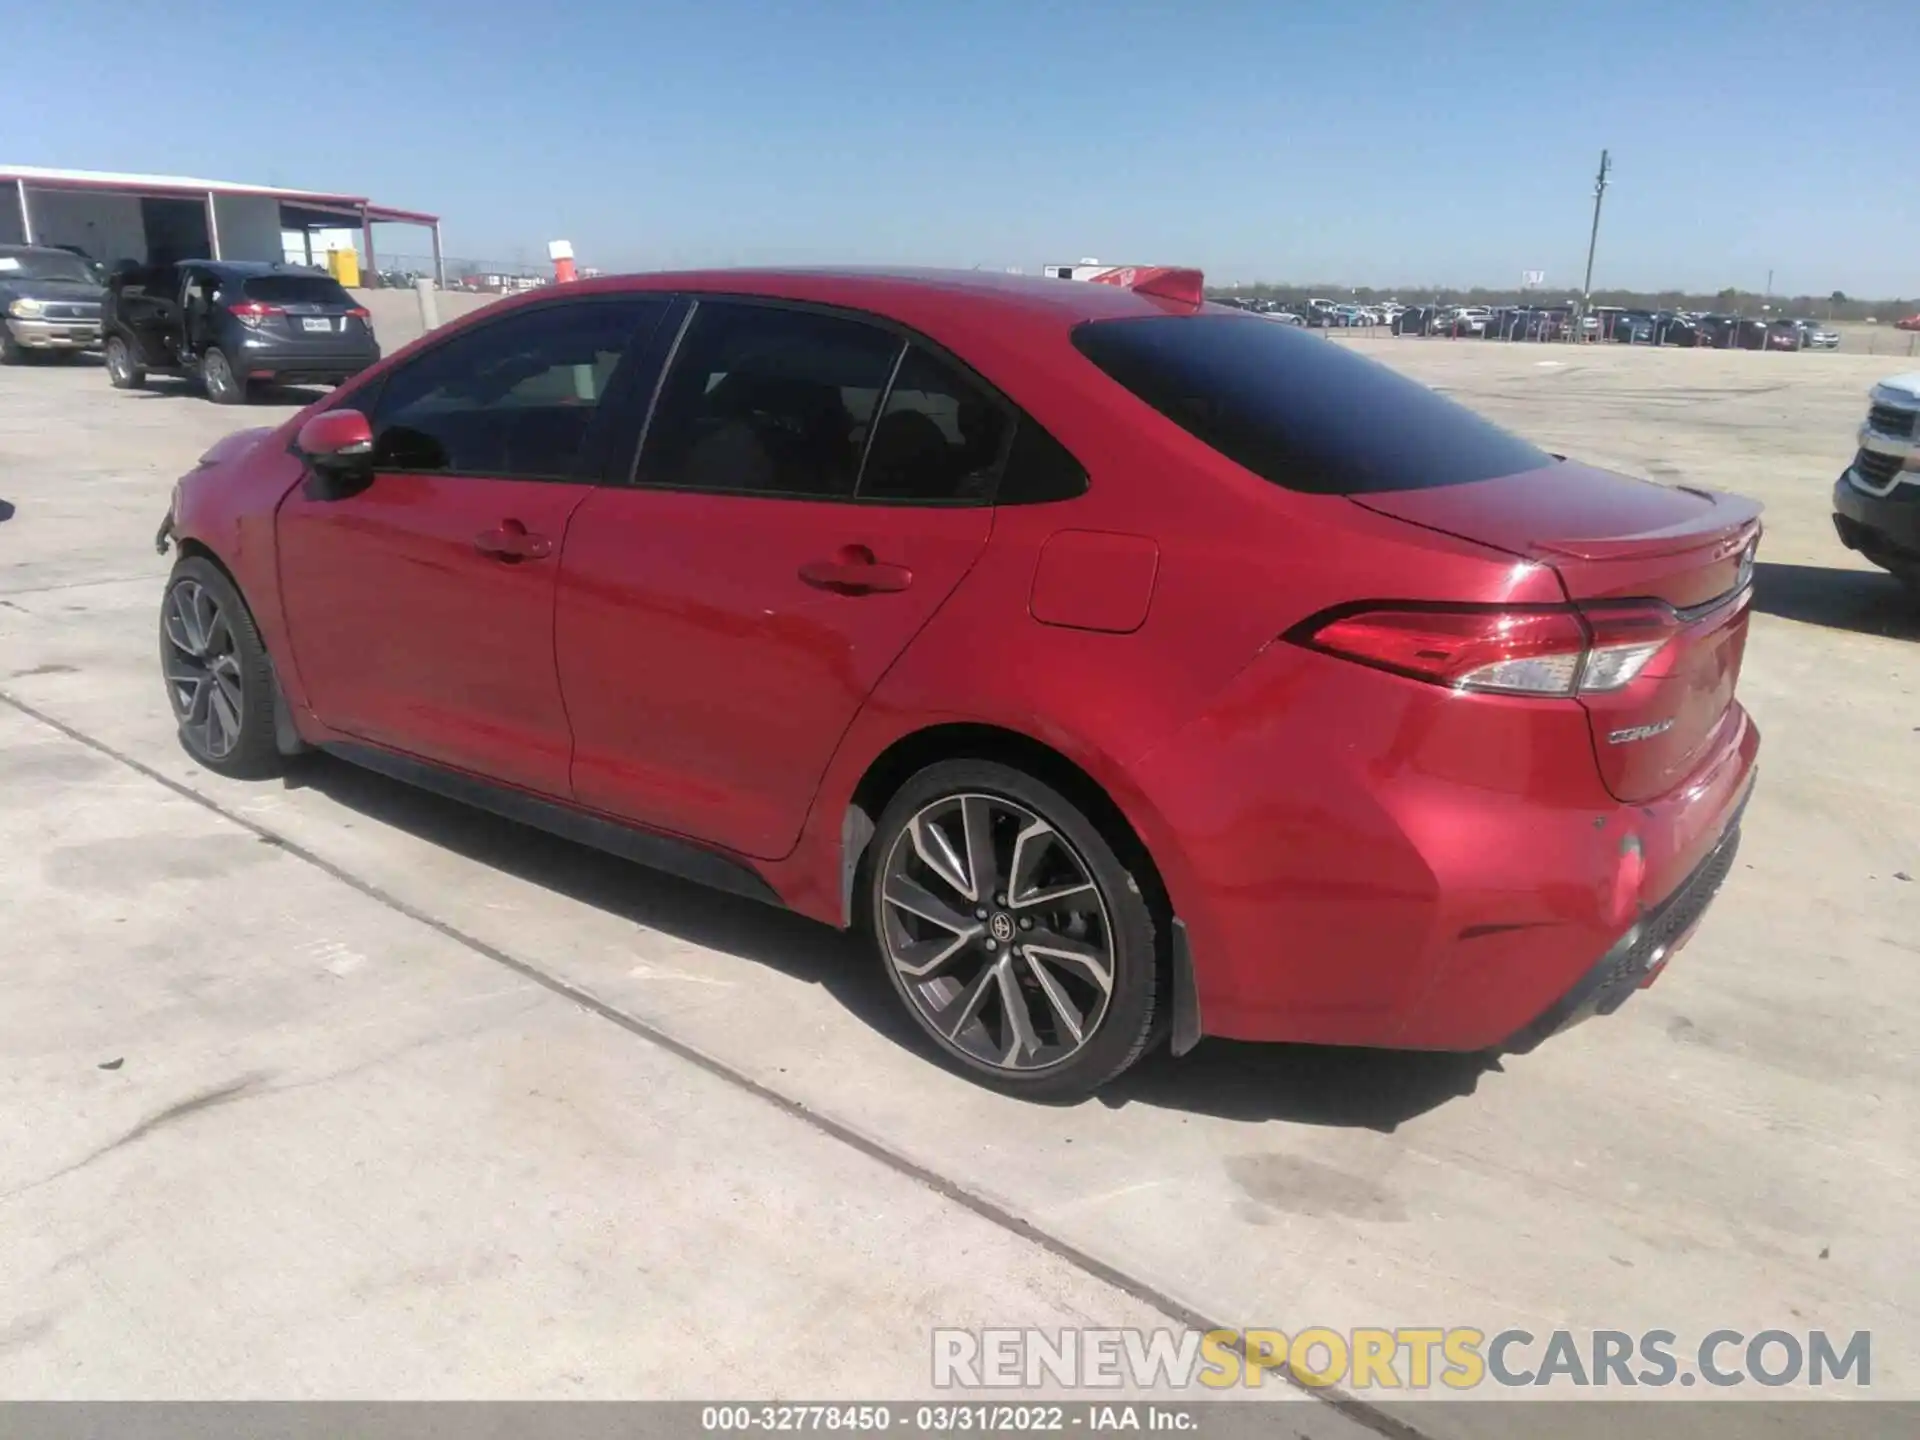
pixel 1127 667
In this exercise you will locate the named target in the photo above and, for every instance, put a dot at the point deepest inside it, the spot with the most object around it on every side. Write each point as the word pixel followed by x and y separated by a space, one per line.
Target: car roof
pixel 900 291
pixel 34 250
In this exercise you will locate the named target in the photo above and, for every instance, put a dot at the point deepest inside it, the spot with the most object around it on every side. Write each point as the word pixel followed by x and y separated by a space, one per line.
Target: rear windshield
pixel 1299 410
pixel 297 290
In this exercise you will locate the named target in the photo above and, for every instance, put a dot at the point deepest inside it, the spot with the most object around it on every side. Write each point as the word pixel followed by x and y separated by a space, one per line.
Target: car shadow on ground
pixel 1868 602
pixel 1307 1085
pixel 6 509
pixel 175 387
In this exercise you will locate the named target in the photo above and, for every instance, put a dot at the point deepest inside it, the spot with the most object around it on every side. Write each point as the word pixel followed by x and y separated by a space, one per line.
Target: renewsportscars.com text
pixel 1402 1358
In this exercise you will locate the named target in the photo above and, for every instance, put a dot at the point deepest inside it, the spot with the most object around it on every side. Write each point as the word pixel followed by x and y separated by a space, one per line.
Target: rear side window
pixel 940 437
pixel 1298 411
pixel 764 400
pixel 296 290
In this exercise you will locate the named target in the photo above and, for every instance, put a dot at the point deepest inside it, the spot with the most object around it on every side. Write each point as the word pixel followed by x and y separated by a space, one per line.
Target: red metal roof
pixel 114 182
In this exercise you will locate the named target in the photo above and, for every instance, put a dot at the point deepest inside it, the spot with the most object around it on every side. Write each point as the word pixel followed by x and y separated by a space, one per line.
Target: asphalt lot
pixel 404 1101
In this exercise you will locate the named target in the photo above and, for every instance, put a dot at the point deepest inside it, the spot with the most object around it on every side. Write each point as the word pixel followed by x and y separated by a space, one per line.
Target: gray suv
pixel 49 303
pixel 234 325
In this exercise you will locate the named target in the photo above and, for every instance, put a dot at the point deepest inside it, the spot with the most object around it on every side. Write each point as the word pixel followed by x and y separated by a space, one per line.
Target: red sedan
pixel 1130 669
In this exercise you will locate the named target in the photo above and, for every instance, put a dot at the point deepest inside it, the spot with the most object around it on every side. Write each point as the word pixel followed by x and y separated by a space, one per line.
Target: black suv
pixel 231 324
pixel 49 303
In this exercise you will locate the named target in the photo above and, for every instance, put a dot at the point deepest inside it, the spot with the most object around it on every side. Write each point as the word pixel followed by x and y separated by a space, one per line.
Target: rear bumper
pixel 294 367
pixel 55 334
pixel 1362 860
pixel 1884 528
pixel 1639 955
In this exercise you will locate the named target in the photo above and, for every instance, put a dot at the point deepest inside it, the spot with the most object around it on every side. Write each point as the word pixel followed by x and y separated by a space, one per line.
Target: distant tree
pixel 1730 293
pixel 1839 297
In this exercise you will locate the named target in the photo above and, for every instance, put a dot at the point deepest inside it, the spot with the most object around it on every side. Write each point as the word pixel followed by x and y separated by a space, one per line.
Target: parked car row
pixel 1687 329
pixel 1317 314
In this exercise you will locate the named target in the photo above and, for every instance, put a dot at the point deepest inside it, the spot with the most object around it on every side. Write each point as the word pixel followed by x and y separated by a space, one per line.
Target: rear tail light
pixel 252 312
pixel 360 312
pixel 1532 650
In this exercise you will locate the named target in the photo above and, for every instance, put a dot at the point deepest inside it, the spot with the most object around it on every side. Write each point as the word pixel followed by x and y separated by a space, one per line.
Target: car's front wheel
pixel 218 676
pixel 1018 940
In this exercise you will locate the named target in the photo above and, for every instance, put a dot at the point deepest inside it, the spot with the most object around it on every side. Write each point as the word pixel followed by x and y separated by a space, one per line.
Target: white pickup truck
pixel 1876 503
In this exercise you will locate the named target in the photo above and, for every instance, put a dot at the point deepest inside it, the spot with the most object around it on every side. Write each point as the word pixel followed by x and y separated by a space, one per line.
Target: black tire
pixel 1122 1028
pixel 11 351
pixel 124 372
pixel 244 750
pixel 223 387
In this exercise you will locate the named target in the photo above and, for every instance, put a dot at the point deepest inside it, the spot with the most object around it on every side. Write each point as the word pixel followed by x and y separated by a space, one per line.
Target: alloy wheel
pixel 117 360
pixel 202 668
pixel 218 374
pixel 997 932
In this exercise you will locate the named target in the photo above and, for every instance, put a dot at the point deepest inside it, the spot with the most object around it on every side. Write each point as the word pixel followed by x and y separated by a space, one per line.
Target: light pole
pixel 1593 240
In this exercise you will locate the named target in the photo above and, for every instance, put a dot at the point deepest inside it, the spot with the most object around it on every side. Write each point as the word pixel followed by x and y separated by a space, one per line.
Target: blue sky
pixel 1370 143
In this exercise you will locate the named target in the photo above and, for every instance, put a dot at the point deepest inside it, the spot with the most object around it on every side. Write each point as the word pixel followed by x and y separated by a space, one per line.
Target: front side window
pixel 514 398
pixel 766 400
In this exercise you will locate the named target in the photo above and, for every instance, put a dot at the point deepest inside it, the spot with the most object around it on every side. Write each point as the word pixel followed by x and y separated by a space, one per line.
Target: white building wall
pixel 249 227
pixel 107 227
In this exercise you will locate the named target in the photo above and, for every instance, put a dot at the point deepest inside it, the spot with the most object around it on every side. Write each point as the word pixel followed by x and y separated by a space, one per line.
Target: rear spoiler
pixel 1164 282
pixel 1732 524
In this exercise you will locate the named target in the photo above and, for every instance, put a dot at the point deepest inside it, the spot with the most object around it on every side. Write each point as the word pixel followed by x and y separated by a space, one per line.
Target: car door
pixel 146 307
pixel 722 618
pixel 420 605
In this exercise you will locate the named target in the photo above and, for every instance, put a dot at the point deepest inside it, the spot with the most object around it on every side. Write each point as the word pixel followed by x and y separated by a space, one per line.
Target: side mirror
pixel 336 439
pixel 338 448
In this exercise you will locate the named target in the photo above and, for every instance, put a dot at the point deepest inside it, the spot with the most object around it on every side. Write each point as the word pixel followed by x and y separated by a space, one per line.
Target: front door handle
pixel 511 541
pixel 854 571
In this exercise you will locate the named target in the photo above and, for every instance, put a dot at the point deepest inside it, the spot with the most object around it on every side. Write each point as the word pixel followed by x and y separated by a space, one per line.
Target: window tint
pixel 1039 468
pixel 296 290
pixel 767 401
pixel 512 398
pixel 1298 411
pixel 941 436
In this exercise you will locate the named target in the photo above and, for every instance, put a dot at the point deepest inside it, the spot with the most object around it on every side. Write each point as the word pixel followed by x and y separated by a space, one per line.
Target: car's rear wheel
pixel 123 371
pixel 1016 937
pixel 219 679
pixel 222 385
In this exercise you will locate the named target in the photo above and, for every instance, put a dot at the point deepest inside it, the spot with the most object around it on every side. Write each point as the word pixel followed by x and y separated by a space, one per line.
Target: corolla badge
pixel 1638 732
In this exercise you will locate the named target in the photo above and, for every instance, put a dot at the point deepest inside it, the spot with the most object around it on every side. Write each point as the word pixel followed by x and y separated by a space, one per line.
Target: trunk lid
pixel 312 309
pixel 1614 540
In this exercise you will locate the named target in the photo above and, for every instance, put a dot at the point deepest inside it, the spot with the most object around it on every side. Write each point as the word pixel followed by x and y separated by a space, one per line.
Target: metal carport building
pixel 161 218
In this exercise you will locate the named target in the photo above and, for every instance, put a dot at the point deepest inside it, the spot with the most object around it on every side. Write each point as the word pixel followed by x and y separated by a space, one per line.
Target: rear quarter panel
pixel 1240 561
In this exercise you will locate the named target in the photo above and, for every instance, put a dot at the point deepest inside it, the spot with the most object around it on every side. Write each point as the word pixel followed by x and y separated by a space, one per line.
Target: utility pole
pixel 1599 192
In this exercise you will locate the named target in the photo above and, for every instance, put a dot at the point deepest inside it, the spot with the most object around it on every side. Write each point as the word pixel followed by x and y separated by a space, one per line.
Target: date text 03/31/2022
pixel 944 1418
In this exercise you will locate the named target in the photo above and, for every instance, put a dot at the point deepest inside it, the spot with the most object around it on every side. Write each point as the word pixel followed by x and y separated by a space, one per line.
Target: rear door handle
pixel 510 540
pixel 855 571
